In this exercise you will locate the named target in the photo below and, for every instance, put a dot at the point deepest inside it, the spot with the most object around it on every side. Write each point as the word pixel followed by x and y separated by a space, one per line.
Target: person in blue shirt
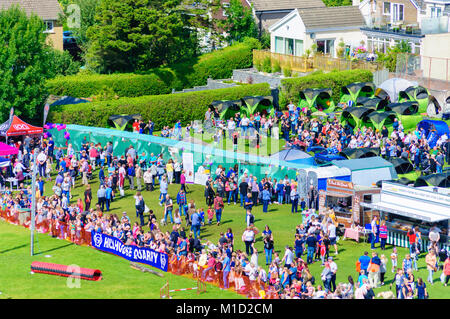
pixel 63 165
pixel 195 224
pixel 182 248
pixel 101 176
pixel 131 173
pixel 365 261
pixel 362 277
pixel 226 263
pixel 266 196
pixel 108 197
pixel 182 201
pixel 299 241
pixel 280 191
pixel 41 184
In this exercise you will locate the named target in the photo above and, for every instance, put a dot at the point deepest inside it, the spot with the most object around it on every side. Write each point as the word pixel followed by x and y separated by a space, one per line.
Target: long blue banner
pixel 132 253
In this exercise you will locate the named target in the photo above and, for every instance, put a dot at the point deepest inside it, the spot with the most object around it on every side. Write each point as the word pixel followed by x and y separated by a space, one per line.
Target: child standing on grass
pixel 302 204
pixel 210 215
pixel 394 257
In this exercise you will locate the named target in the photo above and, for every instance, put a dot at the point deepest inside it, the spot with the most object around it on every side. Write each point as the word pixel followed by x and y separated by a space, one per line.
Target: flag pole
pixel 33 200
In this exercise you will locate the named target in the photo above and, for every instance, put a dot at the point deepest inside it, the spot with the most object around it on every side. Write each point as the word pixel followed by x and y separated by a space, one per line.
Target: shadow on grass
pixel 11 249
pixel 56 248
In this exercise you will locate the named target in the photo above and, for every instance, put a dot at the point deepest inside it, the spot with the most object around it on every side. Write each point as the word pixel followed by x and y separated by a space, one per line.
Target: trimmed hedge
pixel 163 109
pixel 290 88
pixel 216 65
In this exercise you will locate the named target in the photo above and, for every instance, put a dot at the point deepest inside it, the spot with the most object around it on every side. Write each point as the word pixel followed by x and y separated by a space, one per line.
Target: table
pixel 353 233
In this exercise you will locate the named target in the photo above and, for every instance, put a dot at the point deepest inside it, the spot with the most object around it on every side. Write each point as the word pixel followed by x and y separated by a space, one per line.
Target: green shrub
pixel 287 72
pixel 195 72
pixel 164 109
pixel 267 65
pixel 290 88
pixel 276 66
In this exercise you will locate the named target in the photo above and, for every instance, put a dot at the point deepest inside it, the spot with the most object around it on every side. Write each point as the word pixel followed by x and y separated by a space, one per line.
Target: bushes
pixel 267 65
pixel 163 109
pixel 217 65
pixel 290 88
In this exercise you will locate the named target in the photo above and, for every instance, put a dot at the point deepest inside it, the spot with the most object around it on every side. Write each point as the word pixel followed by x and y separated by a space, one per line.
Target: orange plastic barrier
pixel 177 266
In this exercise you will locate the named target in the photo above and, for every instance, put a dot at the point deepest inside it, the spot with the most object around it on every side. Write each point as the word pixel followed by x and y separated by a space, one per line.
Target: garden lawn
pixel 120 281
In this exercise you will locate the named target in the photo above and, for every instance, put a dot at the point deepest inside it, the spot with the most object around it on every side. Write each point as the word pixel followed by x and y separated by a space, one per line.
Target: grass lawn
pixel 120 281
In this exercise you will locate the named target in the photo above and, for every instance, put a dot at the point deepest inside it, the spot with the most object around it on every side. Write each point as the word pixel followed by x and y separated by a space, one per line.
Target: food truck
pixel 345 198
pixel 405 207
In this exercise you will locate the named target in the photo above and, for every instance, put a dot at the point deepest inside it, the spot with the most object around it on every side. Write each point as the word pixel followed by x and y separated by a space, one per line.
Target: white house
pixel 326 27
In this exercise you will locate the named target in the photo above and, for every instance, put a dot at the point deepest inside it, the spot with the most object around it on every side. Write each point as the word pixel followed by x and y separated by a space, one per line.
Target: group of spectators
pixel 288 275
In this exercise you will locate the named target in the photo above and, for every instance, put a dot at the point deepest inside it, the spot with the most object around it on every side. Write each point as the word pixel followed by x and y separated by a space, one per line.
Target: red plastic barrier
pixel 66 271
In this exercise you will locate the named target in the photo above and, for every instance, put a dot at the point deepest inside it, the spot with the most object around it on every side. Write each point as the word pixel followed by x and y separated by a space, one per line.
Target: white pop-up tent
pixel 368 171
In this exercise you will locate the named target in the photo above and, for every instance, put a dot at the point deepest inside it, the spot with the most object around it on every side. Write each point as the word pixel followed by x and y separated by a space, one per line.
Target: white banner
pixel 188 166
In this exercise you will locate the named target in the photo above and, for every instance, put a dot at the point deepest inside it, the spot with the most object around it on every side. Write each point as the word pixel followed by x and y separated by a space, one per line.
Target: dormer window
pixel 48 26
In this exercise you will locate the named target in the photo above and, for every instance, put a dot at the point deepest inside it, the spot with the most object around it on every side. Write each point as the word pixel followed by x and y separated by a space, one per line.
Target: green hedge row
pixel 163 109
pixel 216 65
pixel 290 88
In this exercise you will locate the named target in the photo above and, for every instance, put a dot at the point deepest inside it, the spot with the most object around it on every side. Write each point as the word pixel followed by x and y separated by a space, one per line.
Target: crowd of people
pixel 289 275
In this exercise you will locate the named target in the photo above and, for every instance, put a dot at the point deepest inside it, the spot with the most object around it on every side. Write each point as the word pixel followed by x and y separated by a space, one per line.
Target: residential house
pixel 49 11
pixel 326 27
pixel 392 21
pixel 269 12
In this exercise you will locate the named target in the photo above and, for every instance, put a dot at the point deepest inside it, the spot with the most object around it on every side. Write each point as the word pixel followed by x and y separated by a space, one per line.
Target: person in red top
pixel 447 271
pixel 412 241
pixel 93 153
pixel 383 234
pixel 136 126
pixel 218 207
pixel 209 265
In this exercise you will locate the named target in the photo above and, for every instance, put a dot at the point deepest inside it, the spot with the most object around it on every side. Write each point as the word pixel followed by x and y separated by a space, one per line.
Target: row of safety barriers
pixel 177 265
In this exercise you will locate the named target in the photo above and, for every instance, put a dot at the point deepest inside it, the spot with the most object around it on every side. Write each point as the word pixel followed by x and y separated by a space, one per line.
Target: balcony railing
pixel 317 62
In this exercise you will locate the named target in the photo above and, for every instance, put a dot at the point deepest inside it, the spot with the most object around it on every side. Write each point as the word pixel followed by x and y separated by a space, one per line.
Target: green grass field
pixel 121 281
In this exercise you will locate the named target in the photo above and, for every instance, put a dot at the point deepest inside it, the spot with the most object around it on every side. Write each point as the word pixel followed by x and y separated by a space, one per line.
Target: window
pixel 325 46
pixel 279 45
pixel 397 12
pixel 298 47
pixel 225 7
pixel 386 8
pixel 48 26
pixel 436 12
pixel 289 46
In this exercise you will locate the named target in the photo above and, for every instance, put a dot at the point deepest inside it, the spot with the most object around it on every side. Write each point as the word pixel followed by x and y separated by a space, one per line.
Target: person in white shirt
pixel 333 268
pixel 288 257
pixel 254 258
pixel 352 143
pixel 252 271
pixel 331 230
pixel 248 237
pixel 231 127
pixel 42 163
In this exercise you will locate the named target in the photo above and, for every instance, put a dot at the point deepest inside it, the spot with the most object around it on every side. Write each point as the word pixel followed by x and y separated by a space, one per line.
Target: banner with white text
pixel 132 253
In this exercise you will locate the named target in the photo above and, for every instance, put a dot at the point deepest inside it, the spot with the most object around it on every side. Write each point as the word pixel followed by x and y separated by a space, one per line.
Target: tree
pixel 25 63
pixel 239 23
pixel 394 55
pixel 136 35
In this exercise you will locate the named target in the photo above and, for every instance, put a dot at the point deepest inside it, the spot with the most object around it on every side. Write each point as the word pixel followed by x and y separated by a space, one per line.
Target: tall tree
pixel 135 35
pixel 239 23
pixel 25 63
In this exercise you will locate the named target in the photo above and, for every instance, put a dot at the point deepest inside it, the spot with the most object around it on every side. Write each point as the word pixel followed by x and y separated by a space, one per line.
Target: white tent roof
pixel 329 171
pixel 408 212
